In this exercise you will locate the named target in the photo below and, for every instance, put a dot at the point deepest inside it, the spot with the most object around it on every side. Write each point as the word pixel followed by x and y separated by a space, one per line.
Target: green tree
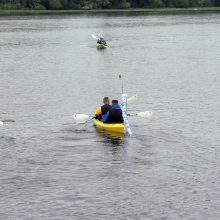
pixel 180 3
pixel 101 3
pixel 31 3
pixel 156 3
pixel 93 4
pixel 51 4
pixel 120 4
pixel 216 3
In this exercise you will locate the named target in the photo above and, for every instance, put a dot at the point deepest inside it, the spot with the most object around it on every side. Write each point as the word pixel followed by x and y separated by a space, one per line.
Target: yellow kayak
pixel 118 128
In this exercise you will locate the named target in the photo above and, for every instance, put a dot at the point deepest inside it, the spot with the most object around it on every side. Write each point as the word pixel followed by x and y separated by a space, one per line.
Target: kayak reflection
pixel 109 136
pixel 116 142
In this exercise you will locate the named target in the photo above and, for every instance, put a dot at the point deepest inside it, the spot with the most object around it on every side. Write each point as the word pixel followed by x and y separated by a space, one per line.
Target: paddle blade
pixel 80 118
pixel 132 99
pixel 94 37
pixel 1 123
pixel 146 114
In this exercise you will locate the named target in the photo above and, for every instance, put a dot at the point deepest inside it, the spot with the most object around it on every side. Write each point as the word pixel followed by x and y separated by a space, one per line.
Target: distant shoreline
pixel 25 12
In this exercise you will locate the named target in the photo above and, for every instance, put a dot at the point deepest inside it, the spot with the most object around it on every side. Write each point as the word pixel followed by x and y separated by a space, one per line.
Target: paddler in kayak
pixel 102 41
pixel 103 109
pixel 114 115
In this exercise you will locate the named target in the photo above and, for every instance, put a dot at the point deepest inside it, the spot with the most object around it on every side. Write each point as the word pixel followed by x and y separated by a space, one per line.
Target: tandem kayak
pixel 117 128
pixel 100 46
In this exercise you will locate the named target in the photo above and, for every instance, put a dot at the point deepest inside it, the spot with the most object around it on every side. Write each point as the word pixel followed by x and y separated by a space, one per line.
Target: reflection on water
pixel 112 137
pixel 115 142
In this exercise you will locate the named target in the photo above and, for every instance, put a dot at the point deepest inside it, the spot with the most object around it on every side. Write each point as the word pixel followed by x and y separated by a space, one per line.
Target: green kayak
pixel 101 47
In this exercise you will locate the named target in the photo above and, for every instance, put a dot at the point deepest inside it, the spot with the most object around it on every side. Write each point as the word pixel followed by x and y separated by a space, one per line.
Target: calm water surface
pixel 53 169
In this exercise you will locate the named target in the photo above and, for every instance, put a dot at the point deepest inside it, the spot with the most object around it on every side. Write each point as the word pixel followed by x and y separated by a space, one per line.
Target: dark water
pixel 53 169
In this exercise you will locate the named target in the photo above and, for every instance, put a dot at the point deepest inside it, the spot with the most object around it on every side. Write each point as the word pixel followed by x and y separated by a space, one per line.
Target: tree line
pixel 104 4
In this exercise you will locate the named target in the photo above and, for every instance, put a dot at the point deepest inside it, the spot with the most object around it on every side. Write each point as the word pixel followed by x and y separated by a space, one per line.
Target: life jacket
pixel 113 116
pixel 102 111
pixel 105 109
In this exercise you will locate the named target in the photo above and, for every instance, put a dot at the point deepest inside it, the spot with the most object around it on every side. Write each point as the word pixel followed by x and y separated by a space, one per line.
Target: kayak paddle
pixel 146 114
pixel 132 99
pixel 83 118
pixel 94 37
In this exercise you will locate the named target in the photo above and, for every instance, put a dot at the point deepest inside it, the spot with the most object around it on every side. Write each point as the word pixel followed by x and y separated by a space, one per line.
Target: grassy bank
pixel 25 12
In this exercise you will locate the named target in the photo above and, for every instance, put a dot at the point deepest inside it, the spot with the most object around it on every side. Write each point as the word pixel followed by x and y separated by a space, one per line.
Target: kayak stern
pixel 118 127
pixel 100 47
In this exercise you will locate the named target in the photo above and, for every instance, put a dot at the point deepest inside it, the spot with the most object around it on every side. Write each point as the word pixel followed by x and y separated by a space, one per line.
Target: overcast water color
pixel 50 69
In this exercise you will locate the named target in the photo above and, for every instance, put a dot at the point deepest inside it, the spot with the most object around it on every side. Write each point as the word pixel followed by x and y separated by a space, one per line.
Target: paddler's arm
pixel 105 117
pixel 98 112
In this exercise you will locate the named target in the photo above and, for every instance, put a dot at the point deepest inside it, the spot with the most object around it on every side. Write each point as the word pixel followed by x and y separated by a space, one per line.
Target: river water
pixel 51 168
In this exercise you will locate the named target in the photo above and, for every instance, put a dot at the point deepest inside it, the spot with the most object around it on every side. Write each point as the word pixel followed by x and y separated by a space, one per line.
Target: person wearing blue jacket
pixel 114 115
